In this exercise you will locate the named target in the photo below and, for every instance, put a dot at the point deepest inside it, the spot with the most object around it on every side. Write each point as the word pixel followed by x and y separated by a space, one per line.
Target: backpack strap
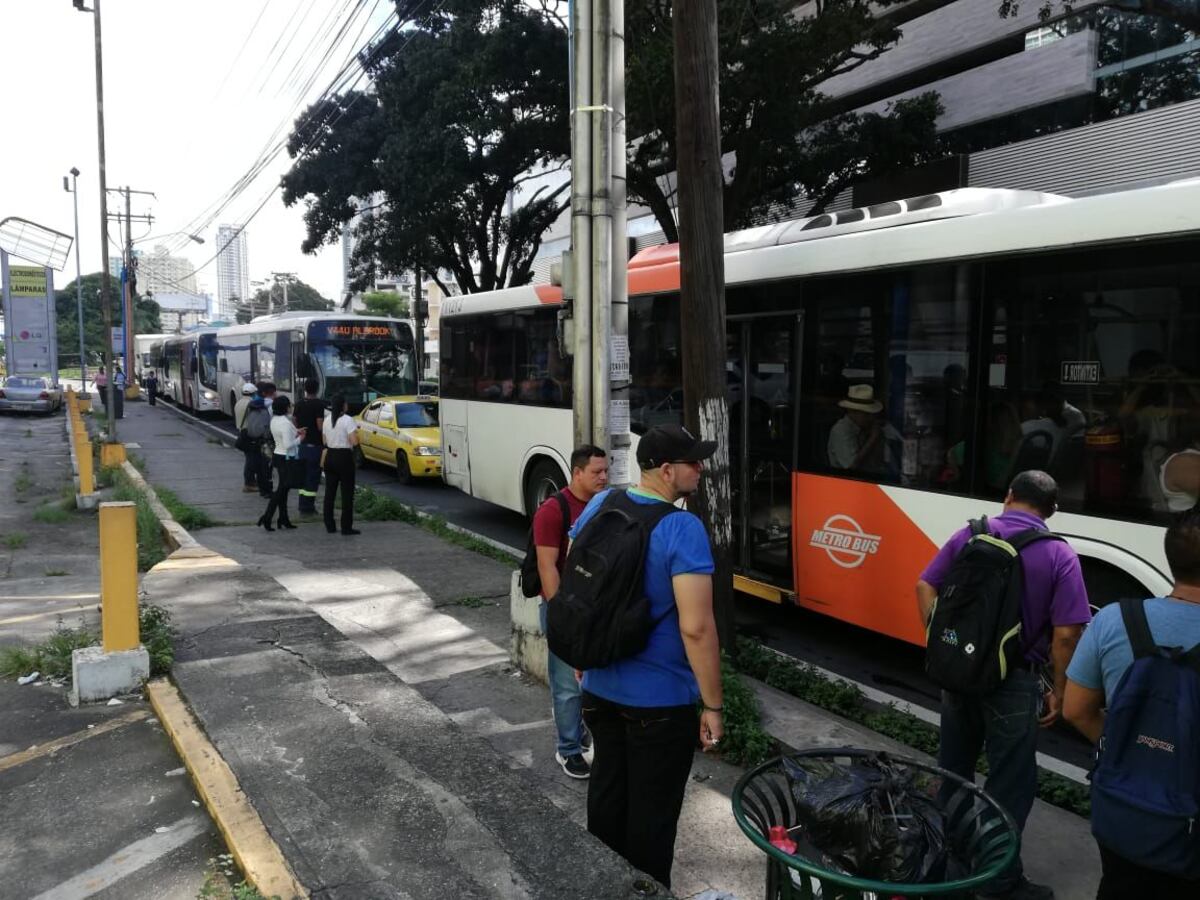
pixel 1133 614
pixel 565 510
pixel 979 526
pixel 1023 539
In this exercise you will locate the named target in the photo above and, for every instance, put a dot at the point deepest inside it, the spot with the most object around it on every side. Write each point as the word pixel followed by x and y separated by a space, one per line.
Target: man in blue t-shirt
pixel 1103 656
pixel 641 710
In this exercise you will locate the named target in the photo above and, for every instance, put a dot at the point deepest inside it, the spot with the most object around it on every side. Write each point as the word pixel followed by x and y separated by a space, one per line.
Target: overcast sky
pixel 186 115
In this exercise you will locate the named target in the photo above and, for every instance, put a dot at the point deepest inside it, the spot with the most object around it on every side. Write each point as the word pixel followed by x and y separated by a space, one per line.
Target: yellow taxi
pixel 402 432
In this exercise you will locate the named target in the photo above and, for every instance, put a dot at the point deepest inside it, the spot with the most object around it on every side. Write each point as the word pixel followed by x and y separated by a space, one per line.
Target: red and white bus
pixel 995 330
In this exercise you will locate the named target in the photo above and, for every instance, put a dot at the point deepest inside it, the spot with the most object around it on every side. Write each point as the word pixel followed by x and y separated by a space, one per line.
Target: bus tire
pixel 1105 583
pixel 545 478
pixel 403 472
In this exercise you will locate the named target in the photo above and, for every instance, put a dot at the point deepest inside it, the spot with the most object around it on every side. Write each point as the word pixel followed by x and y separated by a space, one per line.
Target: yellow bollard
pixel 118 576
pixel 87 476
pixel 111 455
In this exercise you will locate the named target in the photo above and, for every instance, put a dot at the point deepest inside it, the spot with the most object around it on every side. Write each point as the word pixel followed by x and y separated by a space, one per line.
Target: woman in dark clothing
pixel 341 437
pixel 287 440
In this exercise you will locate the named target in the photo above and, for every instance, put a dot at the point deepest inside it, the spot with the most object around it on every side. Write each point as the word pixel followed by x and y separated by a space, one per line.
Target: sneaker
pixel 249 489
pixel 585 744
pixel 1024 890
pixel 574 765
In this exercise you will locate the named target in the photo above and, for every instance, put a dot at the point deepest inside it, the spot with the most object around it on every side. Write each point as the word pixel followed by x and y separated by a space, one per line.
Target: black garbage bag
pixel 871 818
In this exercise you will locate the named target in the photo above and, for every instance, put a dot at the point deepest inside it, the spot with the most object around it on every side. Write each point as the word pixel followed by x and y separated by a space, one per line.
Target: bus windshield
pixel 208 360
pixel 363 361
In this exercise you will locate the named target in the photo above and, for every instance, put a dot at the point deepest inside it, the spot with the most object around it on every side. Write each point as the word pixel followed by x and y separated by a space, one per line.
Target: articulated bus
pixel 889 370
pixel 360 357
pixel 187 369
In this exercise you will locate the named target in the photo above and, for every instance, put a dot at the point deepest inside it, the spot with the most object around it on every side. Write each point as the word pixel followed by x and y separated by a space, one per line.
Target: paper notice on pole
pixel 618 360
pixel 618 416
pixel 618 466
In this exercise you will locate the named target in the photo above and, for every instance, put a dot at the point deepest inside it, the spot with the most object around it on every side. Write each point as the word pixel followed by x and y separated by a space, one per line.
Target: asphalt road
pixel 886 664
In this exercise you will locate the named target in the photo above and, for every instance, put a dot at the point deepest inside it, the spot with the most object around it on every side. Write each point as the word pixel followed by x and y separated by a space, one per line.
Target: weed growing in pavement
pixel 66 496
pixel 52 657
pixel 56 573
pixel 158 637
pixel 185 514
pixel 372 506
pixel 28 432
pixel 218 882
pixel 745 743
pixel 22 482
pixel 846 700
pixel 15 540
pixel 472 602
pixel 51 515
pixel 105 478
pixel 151 549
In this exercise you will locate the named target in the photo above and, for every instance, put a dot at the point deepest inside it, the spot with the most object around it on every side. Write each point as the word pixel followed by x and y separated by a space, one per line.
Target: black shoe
pixel 284 523
pixel 267 496
pixel 574 765
pixel 1024 890
pixel 331 529
pixel 265 523
pixel 350 531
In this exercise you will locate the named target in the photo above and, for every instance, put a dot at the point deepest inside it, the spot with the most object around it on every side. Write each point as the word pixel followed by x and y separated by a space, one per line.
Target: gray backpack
pixel 257 423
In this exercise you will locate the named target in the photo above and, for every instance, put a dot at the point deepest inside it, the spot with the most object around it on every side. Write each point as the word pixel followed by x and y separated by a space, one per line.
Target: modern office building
pixel 160 272
pixel 233 270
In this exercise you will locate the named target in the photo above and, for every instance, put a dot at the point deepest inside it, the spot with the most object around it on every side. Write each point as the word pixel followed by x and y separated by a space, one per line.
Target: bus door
pixel 761 362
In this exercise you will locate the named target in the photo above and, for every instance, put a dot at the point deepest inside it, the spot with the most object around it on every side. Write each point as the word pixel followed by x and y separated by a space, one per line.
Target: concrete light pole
pixel 73 189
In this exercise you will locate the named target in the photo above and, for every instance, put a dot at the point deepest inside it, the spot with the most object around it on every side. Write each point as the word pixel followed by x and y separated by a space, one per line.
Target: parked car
pixel 29 393
pixel 402 432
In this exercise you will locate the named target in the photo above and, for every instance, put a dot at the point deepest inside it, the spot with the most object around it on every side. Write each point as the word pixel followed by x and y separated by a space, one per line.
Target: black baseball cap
pixel 671 443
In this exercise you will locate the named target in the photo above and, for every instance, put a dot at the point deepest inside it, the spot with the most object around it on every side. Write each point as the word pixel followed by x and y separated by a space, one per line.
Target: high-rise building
pixel 162 273
pixel 233 271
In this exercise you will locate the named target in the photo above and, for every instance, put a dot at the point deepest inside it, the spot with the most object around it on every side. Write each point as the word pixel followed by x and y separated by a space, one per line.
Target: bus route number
pixel 1080 372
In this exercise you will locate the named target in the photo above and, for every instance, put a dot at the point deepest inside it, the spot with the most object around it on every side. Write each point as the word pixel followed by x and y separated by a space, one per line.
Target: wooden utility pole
pixel 702 277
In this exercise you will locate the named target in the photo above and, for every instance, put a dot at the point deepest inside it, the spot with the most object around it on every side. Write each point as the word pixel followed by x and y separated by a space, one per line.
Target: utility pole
pixel 127 317
pixel 702 279
pixel 74 189
pixel 282 278
pixel 419 321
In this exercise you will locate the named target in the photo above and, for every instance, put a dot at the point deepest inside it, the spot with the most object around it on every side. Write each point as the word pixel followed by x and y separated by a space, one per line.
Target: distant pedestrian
pixel 1140 661
pixel 150 381
pixel 119 379
pixel 310 413
pixel 253 423
pixel 340 437
pixel 551 523
pixel 101 383
pixel 641 709
pixel 1004 719
pixel 287 440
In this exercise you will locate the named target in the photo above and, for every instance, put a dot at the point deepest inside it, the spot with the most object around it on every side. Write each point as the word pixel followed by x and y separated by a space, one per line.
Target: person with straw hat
pixel 857 440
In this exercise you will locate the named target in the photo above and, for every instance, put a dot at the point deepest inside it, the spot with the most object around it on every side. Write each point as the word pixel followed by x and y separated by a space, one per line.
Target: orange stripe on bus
pixel 654 280
pixel 548 293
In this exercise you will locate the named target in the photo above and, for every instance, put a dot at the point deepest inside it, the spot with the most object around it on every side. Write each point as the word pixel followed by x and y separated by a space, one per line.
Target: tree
pixel 1185 13
pixel 300 296
pixel 146 316
pixel 385 303
pixel 467 104
pixel 782 138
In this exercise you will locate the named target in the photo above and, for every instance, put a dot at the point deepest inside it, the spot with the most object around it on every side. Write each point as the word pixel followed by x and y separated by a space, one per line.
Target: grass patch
pixel 56 573
pixel 151 549
pixel 219 884
pixel 51 515
pixel 158 637
pixel 186 515
pixel 803 681
pixel 66 495
pixel 22 482
pixel 745 743
pixel 372 506
pixel 16 540
pixel 52 658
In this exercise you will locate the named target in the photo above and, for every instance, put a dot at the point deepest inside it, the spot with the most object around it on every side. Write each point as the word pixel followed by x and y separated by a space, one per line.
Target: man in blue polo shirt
pixel 1054 609
pixel 641 710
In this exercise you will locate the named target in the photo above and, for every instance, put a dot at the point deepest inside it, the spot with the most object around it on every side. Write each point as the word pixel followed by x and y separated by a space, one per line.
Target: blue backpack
pixel 1146 782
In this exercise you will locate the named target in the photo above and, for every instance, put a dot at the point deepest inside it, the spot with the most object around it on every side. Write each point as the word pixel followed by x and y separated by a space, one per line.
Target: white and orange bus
pixel 993 331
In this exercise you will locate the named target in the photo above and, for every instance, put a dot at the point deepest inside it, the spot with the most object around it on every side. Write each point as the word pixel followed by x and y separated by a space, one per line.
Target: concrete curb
pixel 175 534
pixel 257 855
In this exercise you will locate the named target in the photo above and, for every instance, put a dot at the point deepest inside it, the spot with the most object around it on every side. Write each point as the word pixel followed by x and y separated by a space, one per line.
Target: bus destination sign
pixel 353 331
pixel 1080 372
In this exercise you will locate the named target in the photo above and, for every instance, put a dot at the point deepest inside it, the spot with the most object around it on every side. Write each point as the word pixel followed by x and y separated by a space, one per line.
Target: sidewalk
pixel 362 693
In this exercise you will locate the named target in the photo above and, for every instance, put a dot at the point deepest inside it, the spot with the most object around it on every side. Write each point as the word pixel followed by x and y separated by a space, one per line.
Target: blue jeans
pixel 566 697
pixel 1004 725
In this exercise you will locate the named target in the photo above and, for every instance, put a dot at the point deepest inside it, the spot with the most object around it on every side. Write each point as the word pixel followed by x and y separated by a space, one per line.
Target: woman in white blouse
pixel 340 434
pixel 287 442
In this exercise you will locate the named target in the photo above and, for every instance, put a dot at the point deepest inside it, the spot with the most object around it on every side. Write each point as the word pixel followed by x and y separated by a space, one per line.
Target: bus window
pixel 266 357
pixel 1095 352
pixel 283 360
pixel 655 362
pixel 457 375
pixel 543 374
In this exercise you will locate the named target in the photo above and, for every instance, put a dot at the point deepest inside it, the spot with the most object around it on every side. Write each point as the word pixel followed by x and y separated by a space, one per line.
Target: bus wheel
pixel 403 472
pixel 1107 584
pixel 544 479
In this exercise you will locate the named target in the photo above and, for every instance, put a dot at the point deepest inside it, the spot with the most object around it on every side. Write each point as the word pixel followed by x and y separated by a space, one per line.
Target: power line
pixel 238 58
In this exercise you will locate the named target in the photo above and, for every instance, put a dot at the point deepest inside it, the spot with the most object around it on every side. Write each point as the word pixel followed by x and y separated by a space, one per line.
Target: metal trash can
pixel 984 837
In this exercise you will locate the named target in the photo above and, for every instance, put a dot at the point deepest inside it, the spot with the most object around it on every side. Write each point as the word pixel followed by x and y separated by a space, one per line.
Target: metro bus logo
pixel 845 541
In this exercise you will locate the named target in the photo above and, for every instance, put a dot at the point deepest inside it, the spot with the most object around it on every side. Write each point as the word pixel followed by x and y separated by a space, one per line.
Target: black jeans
pixel 339 472
pixel 279 499
pixel 311 454
pixel 1123 879
pixel 642 759
pixel 152 395
pixel 1004 724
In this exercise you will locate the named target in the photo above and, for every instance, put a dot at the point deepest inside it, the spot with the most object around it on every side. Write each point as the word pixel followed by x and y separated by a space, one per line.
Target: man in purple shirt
pixel 1054 609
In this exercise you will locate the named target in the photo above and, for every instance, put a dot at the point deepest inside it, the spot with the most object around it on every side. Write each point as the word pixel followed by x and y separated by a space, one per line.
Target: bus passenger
pixel 857 441
pixel 1180 474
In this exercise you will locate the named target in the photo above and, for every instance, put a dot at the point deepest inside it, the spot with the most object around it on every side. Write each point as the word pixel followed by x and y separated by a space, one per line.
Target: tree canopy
pixel 300 296
pixel 445 162
pixel 145 316
pixel 385 303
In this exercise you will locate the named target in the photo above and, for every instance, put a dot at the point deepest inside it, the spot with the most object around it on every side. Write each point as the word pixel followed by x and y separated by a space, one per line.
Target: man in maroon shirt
pixel 1054 609
pixel 589 476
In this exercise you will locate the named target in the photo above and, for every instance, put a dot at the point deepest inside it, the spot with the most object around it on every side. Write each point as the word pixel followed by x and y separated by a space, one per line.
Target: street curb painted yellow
pixel 258 856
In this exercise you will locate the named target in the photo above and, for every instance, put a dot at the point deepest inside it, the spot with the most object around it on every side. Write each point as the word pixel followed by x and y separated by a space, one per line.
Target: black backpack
pixel 531 581
pixel 601 614
pixel 974 634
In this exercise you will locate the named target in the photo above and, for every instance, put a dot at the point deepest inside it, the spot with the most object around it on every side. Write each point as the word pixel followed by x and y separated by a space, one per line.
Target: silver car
pixel 29 393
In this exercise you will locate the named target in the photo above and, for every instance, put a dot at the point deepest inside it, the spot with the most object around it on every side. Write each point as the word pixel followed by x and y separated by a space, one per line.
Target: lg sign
pixel 844 541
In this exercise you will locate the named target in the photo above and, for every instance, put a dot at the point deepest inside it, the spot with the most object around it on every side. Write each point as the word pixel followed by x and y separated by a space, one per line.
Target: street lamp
pixel 73 189
pixel 105 303
pixel 159 237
